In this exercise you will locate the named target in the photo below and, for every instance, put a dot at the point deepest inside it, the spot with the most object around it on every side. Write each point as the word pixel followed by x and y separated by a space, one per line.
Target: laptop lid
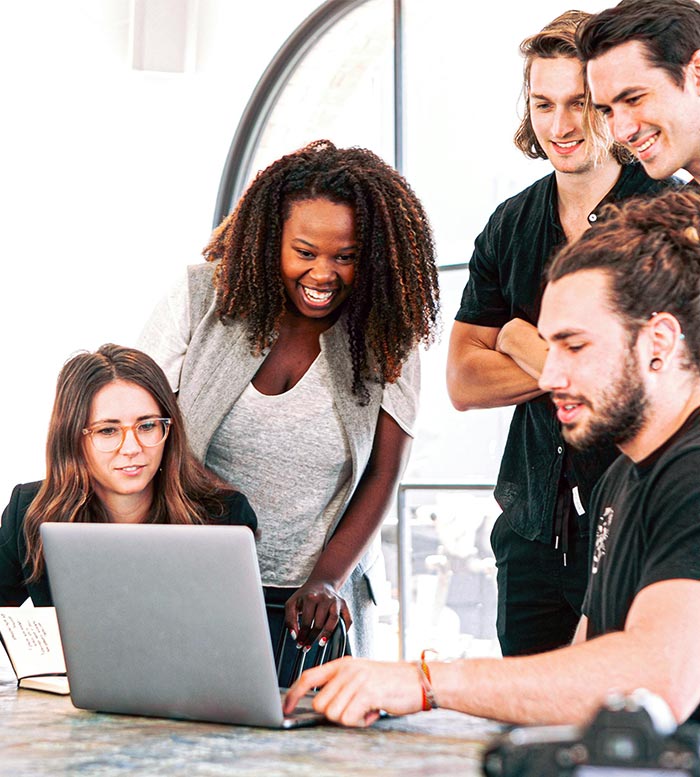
pixel 164 620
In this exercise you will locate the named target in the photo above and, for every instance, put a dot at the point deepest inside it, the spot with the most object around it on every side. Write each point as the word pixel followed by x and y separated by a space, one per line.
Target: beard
pixel 620 411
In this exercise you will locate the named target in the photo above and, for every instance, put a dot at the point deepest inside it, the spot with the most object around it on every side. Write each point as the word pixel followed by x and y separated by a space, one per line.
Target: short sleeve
pixel 483 302
pixel 166 336
pixel 673 524
pixel 400 399
pixel 649 521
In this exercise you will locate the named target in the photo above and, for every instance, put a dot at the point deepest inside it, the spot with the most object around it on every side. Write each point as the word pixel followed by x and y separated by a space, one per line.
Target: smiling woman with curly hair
pixel 294 351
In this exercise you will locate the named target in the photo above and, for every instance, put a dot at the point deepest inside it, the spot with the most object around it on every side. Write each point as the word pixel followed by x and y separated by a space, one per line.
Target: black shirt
pixel 14 588
pixel 647 528
pixel 505 282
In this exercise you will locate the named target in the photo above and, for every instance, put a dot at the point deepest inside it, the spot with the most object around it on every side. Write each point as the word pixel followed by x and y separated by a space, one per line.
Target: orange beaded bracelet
pixel 429 700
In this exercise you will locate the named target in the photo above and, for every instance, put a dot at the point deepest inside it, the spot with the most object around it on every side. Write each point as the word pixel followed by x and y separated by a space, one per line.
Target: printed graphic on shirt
pixel 601 537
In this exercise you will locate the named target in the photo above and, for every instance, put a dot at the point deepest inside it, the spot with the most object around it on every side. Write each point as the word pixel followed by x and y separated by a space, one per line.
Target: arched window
pixel 433 88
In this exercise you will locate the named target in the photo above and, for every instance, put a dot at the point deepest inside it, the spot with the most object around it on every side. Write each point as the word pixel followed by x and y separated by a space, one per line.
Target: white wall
pixel 108 175
pixel 108 178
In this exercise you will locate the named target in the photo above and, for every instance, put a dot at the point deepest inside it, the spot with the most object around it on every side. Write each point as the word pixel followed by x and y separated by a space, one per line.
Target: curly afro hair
pixel 394 304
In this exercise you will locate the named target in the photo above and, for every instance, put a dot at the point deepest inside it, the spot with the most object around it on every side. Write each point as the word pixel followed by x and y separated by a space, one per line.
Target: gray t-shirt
pixel 289 455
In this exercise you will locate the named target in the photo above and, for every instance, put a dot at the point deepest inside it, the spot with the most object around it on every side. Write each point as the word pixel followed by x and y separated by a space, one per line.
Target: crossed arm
pixel 491 367
pixel 657 650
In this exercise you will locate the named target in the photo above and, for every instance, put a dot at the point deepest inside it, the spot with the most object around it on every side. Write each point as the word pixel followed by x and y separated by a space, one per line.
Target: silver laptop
pixel 165 620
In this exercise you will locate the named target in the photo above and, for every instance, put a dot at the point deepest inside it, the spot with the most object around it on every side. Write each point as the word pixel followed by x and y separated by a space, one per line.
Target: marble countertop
pixel 44 734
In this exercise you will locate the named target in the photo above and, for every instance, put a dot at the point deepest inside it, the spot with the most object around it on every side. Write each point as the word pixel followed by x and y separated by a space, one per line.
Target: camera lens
pixel 620 746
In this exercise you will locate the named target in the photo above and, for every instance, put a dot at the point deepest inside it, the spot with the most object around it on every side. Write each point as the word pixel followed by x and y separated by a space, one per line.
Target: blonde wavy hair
pixel 558 39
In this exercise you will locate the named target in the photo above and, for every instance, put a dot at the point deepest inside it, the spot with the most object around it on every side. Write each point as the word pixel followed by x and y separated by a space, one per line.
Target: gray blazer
pixel 216 366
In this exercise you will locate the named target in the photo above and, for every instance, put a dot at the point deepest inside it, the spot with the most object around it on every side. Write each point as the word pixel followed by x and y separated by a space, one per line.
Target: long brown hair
pixel 558 39
pixel 394 304
pixel 184 492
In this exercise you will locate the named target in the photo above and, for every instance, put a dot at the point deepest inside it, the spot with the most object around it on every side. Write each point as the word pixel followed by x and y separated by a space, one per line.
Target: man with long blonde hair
pixel 495 359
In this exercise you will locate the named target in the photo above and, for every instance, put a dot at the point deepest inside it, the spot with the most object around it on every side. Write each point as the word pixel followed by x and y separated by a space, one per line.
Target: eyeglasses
pixel 110 437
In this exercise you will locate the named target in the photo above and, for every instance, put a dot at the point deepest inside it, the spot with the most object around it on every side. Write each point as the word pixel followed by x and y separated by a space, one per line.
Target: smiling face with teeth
pixel 556 97
pixel 646 110
pixel 123 479
pixel 591 370
pixel 318 256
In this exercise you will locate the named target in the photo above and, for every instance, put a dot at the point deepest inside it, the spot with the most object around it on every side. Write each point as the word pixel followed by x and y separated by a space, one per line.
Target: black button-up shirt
pixel 505 282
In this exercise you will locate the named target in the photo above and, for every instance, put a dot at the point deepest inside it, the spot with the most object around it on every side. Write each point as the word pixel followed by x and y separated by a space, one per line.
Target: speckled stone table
pixel 43 734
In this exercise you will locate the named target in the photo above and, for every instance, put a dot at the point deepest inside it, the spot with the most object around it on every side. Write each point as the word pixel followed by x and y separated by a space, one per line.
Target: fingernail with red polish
pixel 322 641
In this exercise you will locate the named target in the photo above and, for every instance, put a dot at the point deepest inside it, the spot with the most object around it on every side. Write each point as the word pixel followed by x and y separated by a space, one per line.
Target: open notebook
pixel 165 620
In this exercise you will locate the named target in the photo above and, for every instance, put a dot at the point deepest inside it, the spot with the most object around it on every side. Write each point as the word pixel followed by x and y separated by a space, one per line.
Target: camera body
pixel 634 735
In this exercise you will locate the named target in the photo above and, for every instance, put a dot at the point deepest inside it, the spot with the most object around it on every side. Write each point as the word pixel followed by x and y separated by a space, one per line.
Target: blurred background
pixel 118 125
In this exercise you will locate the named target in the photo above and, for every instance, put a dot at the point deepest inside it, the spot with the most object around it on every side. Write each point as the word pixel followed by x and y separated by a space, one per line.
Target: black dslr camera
pixel 634 735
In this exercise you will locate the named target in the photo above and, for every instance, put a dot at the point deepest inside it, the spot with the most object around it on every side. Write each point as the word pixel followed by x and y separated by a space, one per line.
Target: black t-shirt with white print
pixel 647 528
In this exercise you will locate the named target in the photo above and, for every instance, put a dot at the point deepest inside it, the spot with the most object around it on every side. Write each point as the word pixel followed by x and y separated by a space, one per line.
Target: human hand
pixel 520 340
pixel 313 612
pixel 354 690
pixel 512 333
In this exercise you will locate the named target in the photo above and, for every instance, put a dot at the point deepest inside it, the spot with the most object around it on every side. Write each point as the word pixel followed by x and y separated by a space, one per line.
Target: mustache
pixel 558 397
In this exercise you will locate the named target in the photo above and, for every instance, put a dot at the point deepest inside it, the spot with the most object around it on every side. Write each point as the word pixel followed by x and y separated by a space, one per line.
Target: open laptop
pixel 165 620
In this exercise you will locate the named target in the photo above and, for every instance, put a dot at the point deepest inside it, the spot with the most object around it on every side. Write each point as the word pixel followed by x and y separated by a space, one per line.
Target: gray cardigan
pixel 215 367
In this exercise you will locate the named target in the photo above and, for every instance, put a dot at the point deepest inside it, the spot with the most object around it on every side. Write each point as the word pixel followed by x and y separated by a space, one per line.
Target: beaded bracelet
pixel 429 700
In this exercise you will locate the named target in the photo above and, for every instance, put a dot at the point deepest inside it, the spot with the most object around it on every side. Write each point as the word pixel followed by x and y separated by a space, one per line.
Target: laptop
pixel 166 621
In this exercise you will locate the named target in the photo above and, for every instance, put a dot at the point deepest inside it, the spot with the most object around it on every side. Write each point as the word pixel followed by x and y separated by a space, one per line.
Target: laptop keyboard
pixel 303 714
pixel 305 704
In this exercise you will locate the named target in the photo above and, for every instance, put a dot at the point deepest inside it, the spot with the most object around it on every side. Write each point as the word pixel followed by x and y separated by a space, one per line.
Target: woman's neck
pixel 299 325
pixel 128 508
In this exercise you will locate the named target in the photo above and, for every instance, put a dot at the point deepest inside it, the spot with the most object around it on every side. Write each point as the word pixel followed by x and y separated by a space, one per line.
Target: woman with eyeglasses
pixel 294 351
pixel 116 453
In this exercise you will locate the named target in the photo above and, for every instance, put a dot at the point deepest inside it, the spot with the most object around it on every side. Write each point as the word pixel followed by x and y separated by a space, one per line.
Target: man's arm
pixel 490 367
pixel 657 650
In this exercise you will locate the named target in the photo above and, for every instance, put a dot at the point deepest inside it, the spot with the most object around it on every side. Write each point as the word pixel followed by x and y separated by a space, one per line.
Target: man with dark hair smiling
pixel 643 67
pixel 540 542
pixel 621 319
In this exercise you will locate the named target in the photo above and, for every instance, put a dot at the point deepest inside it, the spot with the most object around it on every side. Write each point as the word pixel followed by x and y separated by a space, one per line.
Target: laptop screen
pixel 164 620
